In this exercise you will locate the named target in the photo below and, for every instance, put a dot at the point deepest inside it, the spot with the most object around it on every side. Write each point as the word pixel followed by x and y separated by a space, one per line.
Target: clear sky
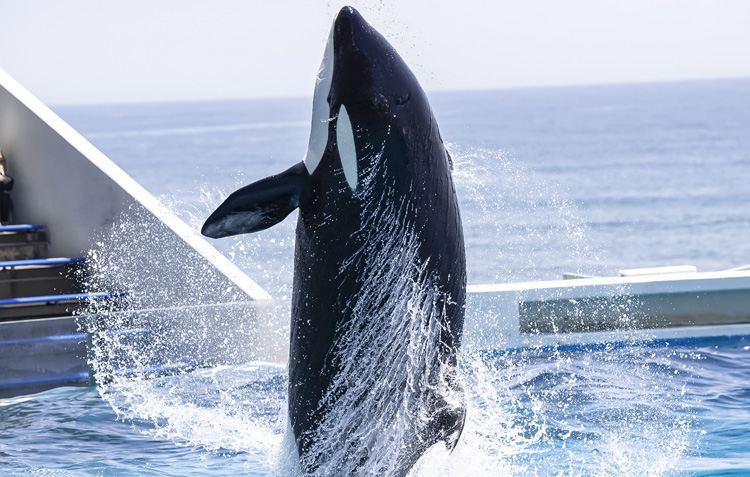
pixel 93 51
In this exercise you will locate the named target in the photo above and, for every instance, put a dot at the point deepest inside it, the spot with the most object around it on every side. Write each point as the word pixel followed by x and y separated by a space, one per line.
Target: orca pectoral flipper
pixel 259 205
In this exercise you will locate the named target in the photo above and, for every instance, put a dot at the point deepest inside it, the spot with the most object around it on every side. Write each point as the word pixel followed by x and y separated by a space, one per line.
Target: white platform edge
pixel 131 187
pixel 493 310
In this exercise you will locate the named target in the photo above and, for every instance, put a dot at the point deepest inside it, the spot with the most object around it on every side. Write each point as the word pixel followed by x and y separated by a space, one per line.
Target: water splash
pixel 533 413
pixel 266 256
pixel 173 314
pixel 510 217
pixel 544 414
pixel 224 409
pixel 391 381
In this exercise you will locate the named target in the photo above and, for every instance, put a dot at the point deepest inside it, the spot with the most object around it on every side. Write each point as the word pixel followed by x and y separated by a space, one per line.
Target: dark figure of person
pixel 6 184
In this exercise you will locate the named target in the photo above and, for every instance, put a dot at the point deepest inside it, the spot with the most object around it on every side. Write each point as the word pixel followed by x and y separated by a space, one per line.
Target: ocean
pixel 589 179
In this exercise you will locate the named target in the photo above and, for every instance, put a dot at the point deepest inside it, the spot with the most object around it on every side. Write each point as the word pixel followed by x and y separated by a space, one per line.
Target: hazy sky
pixel 93 51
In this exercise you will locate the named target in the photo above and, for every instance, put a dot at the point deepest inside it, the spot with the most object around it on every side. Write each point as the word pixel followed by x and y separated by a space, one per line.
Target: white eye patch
pixel 347 150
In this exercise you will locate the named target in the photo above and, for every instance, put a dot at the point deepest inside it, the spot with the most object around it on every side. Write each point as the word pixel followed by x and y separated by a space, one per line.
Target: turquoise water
pixel 680 410
pixel 591 179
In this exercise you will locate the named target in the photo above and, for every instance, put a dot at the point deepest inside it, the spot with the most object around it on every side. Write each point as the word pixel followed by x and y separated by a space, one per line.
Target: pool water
pixel 628 411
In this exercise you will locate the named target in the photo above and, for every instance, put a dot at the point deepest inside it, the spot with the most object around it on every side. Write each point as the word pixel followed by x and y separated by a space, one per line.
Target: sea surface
pixel 587 179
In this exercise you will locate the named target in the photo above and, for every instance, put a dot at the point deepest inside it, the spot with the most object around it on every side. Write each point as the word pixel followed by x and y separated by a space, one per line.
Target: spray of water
pixel 161 348
pixel 605 412
pixel 391 382
pixel 511 217
pixel 533 413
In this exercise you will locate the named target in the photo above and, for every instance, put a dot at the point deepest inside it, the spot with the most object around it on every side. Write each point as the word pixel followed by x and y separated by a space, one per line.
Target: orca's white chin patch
pixel 321 111
pixel 347 149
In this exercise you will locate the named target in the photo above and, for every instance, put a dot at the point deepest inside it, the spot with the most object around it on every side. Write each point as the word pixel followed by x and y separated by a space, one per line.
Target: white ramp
pixel 63 182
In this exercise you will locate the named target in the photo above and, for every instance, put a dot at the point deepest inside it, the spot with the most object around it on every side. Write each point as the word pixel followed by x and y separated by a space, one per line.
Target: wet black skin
pixel 389 112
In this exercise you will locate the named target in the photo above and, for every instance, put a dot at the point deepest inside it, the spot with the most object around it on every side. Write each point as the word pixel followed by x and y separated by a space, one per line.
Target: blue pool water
pixel 634 411
pixel 589 179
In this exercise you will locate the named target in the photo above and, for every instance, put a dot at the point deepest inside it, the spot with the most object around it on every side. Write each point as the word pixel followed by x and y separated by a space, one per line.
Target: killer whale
pixel 379 251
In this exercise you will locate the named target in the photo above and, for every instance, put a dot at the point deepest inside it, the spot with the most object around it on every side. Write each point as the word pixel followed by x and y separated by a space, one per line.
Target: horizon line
pixel 438 90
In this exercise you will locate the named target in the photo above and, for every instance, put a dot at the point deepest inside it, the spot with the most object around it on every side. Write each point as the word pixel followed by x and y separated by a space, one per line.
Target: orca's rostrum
pixel 380 270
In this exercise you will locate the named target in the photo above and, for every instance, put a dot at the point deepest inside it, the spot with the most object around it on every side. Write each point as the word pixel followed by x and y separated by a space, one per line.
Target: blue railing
pixel 20 228
pixel 70 337
pixel 36 262
pixel 34 300
pixel 60 379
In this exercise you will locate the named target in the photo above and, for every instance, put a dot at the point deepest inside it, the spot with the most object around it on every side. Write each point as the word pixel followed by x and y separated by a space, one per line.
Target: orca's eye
pixel 402 98
pixel 347 148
